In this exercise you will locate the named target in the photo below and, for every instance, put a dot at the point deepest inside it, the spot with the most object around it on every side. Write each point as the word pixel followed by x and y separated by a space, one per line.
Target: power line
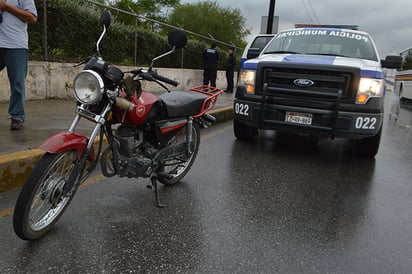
pixel 313 11
pixel 307 12
pixel 160 23
pixel 310 12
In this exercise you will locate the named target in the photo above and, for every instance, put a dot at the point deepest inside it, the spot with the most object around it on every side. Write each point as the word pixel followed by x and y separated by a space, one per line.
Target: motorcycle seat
pixel 182 103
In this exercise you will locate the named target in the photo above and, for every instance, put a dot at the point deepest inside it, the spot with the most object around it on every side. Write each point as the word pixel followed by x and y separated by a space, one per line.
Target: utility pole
pixel 271 16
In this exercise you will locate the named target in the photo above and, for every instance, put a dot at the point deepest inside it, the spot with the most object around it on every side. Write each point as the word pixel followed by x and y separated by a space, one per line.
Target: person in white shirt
pixel 14 40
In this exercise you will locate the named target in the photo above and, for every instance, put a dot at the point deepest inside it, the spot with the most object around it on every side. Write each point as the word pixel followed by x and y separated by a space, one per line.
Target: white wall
pixel 46 80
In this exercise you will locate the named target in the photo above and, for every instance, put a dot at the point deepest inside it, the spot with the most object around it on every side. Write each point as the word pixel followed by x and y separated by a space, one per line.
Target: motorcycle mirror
pixel 105 18
pixel 177 38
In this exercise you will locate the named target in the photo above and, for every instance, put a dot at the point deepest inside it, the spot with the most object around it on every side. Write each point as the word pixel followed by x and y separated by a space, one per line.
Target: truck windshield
pixel 334 42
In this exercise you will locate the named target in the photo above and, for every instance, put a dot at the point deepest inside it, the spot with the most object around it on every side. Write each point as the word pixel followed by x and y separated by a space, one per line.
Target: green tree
pixel 209 19
pixel 73 27
pixel 65 37
pixel 152 9
pixel 407 63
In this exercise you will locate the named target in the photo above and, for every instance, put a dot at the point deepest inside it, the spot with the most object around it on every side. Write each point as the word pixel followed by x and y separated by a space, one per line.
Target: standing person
pixel 14 44
pixel 230 69
pixel 211 58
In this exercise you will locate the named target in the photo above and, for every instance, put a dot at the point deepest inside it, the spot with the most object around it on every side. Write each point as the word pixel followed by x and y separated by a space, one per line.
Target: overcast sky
pixel 388 21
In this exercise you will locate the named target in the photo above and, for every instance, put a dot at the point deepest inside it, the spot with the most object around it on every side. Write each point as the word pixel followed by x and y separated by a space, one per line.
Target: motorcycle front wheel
pixel 178 165
pixel 40 203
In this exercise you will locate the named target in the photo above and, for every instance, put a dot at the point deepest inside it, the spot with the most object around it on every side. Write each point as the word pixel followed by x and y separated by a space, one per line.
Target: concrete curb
pixel 16 167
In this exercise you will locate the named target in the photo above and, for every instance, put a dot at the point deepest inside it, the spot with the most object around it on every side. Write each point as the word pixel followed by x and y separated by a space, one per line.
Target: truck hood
pixel 368 68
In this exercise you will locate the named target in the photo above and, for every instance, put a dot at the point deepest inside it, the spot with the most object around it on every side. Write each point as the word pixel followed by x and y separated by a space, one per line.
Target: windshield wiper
pixel 328 54
pixel 281 51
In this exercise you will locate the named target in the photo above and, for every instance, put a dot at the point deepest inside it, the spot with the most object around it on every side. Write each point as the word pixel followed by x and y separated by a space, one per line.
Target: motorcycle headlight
pixel 368 88
pixel 88 87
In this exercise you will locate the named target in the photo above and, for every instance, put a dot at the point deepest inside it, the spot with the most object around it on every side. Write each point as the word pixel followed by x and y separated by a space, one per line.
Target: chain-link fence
pixel 67 31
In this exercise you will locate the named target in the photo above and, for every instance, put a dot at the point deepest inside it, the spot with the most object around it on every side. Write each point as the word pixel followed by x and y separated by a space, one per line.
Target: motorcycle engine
pixel 133 161
pixel 130 138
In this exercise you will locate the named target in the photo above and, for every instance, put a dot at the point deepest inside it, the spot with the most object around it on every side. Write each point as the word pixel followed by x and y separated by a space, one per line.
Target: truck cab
pixel 255 45
pixel 325 81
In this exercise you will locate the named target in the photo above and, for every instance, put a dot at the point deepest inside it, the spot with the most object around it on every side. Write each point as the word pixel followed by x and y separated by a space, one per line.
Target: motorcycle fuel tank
pixel 142 107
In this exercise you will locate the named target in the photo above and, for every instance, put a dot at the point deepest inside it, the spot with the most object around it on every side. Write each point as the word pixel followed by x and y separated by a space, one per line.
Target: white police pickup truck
pixel 324 81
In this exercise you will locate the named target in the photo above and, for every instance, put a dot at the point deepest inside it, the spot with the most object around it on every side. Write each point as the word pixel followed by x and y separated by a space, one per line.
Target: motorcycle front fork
pixel 100 121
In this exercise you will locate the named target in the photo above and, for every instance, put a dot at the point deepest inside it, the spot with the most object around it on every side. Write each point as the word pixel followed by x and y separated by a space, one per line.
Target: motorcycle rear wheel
pixel 177 168
pixel 40 203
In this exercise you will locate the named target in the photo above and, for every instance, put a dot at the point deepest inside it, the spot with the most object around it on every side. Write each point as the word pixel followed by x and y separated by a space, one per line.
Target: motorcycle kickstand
pixel 154 186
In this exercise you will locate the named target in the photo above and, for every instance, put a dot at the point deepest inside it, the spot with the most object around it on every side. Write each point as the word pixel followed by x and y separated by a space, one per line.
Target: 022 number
pixel 365 123
pixel 242 109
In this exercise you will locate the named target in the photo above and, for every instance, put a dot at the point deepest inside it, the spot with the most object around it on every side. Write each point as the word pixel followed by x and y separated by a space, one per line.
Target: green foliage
pixel 208 18
pixel 408 63
pixel 73 28
pixel 147 8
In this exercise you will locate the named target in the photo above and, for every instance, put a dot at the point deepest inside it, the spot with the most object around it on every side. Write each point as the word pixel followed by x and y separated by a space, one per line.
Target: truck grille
pixel 323 82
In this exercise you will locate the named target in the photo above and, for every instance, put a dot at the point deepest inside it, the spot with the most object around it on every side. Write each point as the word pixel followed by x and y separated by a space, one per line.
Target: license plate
pixel 299 118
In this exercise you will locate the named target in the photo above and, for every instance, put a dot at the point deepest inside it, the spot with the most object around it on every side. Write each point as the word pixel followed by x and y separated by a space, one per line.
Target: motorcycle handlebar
pixel 153 76
pixel 164 79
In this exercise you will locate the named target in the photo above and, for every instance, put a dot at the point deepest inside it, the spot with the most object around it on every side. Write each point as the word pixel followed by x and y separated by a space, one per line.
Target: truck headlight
pixel 368 88
pixel 88 87
pixel 247 79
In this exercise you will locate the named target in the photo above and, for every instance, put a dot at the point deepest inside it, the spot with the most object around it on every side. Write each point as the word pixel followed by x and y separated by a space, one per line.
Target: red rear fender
pixel 65 141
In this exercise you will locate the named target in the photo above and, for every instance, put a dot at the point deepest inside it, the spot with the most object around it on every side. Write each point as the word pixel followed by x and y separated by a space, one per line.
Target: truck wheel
pixel 244 132
pixel 368 147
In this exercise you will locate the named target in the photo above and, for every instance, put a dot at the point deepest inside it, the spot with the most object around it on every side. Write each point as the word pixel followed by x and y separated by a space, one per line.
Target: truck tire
pixel 368 147
pixel 243 131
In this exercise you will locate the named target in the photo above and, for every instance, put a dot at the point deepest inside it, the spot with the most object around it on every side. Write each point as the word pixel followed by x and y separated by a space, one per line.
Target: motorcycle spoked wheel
pixel 40 203
pixel 177 167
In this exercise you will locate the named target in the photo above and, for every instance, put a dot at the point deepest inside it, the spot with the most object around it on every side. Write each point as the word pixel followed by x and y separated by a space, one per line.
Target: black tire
pixel 175 167
pixel 368 147
pixel 40 204
pixel 243 131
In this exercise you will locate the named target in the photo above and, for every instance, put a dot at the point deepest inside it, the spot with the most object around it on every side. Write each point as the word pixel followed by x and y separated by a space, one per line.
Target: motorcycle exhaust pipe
pixel 205 119
pixel 209 118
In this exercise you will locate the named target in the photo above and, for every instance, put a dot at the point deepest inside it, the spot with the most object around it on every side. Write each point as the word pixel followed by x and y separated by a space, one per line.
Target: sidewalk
pixel 44 118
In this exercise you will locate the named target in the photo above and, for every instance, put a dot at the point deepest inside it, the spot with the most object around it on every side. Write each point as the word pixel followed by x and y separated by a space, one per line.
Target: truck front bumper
pixel 332 123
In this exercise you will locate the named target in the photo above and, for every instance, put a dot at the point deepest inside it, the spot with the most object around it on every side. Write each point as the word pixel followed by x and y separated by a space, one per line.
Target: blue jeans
pixel 16 62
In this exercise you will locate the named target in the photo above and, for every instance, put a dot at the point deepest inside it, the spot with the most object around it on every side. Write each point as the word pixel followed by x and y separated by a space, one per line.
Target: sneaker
pixel 16 124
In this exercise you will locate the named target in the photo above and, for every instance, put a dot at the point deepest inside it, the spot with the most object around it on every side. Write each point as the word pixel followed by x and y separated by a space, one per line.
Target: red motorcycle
pixel 148 135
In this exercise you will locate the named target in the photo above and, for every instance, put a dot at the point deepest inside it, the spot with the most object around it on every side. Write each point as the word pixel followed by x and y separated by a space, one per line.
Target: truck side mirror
pixel 392 62
pixel 253 53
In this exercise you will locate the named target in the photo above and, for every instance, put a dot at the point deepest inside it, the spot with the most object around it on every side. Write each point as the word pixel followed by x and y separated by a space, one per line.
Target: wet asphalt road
pixel 281 204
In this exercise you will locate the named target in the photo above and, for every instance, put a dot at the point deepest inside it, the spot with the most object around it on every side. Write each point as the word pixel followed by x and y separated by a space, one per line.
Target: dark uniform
pixel 230 69
pixel 210 57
